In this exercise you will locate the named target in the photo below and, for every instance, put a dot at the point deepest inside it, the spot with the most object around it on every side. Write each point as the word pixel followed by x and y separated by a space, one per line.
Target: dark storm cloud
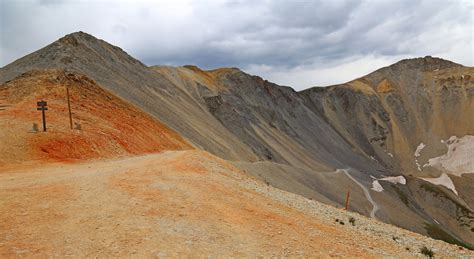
pixel 300 43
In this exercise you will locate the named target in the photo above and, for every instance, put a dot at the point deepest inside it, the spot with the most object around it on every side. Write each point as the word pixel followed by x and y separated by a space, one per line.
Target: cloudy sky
pixel 291 42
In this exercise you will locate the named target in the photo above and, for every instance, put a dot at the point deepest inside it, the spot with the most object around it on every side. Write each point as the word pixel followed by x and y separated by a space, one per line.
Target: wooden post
pixel 347 199
pixel 42 107
pixel 69 107
pixel 44 120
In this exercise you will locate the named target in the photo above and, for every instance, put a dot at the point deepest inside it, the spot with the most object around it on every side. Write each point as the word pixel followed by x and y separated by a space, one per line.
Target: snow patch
pixel 388 153
pixel 443 180
pixel 376 186
pixel 459 159
pixel 417 154
pixel 418 166
pixel 419 148
pixel 395 179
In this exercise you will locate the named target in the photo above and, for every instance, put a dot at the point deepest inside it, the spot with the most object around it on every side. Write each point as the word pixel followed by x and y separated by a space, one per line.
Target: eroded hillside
pixel 389 113
pixel 104 125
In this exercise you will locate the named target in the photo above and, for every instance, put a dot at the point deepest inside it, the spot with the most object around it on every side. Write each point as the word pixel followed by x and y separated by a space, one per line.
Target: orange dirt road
pixel 174 203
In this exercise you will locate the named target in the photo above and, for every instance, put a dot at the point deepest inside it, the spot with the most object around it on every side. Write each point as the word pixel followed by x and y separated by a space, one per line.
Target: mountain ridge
pixel 76 38
pixel 297 141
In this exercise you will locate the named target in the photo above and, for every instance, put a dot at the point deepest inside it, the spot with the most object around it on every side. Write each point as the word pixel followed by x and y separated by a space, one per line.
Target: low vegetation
pixel 426 251
pixel 352 221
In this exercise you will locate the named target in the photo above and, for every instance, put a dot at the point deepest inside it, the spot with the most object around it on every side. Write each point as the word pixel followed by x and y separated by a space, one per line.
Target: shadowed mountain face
pixel 396 108
pixel 376 136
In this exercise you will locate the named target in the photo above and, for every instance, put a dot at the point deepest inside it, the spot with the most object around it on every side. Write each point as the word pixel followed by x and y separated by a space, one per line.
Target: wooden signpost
pixel 42 107
pixel 3 106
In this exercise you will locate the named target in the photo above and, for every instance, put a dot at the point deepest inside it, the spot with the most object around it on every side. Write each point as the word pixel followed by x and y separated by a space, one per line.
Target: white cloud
pixel 308 76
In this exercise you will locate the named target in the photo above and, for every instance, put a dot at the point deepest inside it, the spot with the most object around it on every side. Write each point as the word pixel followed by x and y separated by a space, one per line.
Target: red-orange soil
pixel 179 204
pixel 109 126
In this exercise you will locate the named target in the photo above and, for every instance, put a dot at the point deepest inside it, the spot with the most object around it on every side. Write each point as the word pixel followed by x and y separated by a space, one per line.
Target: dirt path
pixel 375 206
pixel 176 203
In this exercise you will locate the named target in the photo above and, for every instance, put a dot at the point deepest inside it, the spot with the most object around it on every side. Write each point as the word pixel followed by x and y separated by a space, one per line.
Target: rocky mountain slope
pixel 378 136
pixel 396 108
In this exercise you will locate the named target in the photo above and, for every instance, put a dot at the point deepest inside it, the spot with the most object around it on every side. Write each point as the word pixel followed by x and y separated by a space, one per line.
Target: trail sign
pixel 42 107
pixel 3 107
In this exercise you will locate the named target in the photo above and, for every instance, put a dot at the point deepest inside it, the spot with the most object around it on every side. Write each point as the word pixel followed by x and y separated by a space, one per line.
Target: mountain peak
pixel 75 37
pixel 79 38
pixel 427 60
pixel 78 51
pixel 426 63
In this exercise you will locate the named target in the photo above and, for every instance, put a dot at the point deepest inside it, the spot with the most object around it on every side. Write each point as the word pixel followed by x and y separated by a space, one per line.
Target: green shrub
pixel 352 220
pixel 426 251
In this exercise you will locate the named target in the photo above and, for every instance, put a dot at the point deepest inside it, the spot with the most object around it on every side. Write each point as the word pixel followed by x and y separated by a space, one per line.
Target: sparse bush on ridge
pixel 426 251
pixel 352 221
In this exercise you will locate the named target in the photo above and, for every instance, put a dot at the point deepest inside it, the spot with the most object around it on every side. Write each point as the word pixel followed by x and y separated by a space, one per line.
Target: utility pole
pixel 42 107
pixel 69 107
pixel 347 199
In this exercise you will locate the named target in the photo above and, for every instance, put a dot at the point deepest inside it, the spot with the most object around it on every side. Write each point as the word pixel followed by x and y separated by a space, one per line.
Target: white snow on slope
pixel 443 180
pixel 419 148
pixel 388 153
pixel 460 156
pixel 395 179
pixel 376 186
pixel 417 154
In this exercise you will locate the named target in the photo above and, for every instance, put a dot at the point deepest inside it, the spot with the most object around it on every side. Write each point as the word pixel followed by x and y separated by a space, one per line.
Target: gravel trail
pixel 375 206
